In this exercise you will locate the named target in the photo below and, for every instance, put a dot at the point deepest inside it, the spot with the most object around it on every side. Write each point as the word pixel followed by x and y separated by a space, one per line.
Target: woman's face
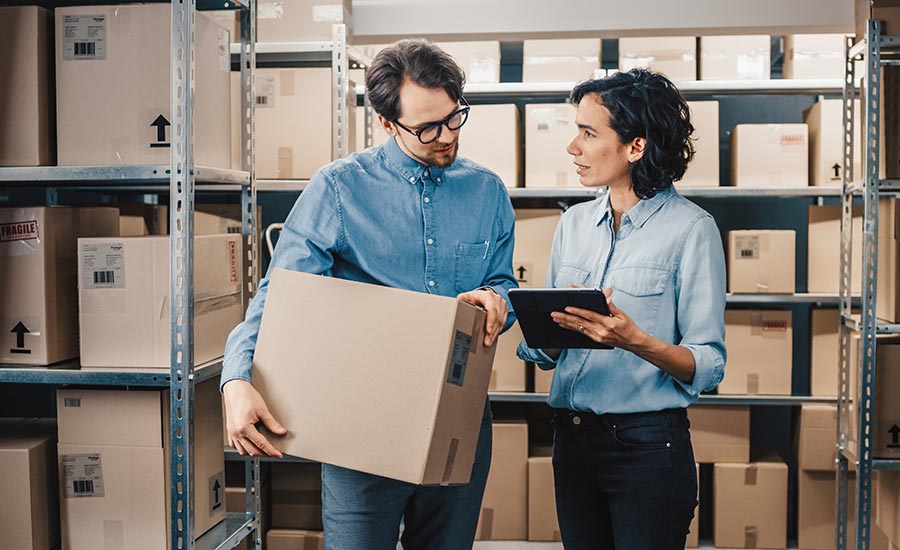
pixel 600 157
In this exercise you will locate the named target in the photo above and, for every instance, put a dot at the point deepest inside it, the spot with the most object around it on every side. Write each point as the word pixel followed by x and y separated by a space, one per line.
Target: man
pixel 407 214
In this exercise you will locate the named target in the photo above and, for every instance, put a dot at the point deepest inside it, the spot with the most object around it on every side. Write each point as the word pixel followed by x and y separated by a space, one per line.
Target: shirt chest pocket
pixel 471 265
pixel 571 276
pixel 638 291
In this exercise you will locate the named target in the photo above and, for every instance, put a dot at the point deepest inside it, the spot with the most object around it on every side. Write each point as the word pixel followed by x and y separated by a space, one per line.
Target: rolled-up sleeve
pixel 537 355
pixel 700 299
pixel 312 233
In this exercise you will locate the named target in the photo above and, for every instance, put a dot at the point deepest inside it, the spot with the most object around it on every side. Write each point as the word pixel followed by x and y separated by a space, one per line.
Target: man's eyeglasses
pixel 430 132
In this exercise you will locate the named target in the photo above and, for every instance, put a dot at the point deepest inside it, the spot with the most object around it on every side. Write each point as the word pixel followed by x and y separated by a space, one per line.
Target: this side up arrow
pixel 522 272
pixel 837 170
pixel 895 436
pixel 160 123
pixel 216 488
pixel 20 330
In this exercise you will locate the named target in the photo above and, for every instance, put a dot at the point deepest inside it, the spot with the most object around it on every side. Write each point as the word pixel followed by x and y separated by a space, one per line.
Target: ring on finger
pixel 581 328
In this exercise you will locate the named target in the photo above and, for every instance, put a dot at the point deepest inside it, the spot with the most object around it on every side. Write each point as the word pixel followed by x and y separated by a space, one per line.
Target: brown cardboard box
pixel 889 117
pixel 114 445
pixel 38 282
pixel 735 57
pixel 816 450
pixel 509 371
pixel 504 508
pixel 542 522
pixel 814 56
pixel 567 60
pixel 761 261
pixel 549 128
pixel 27 130
pixel 885 435
pixel 824 354
pixel 292 539
pixel 693 537
pixel 826 151
pixel 480 61
pixel 123 302
pixel 113 94
pixel 673 56
pixel 703 170
pixel 301 20
pixel 491 137
pixel 823 272
pixel 887 11
pixel 284 97
pixel 29 494
pixel 750 505
pixel 543 380
pixel 350 378
pixel 760 345
pixel 887 512
pixel 769 155
pixel 297 496
pixel 816 510
pixel 720 433
pixel 888 297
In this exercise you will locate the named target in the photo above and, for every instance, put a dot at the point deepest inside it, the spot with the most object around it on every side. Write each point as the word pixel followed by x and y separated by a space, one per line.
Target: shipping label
pixel 103 265
pixel 82 475
pixel 747 247
pixel 265 91
pixel 459 358
pixel 84 37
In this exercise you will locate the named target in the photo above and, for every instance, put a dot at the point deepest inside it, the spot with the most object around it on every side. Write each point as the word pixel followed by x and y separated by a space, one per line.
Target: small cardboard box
pixel 816 450
pixel 760 346
pixel 38 281
pixel 543 524
pixel 350 378
pixel 720 433
pixel 673 56
pixel 480 61
pixel 297 496
pixel 761 261
pixel 826 142
pixel 27 133
pixel 814 56
pixel 29 494
pixel 549 128
pixel 113 72
pixel 504 508
pixel 123 299
pixel 770 155
pixel 703 170
pixel 301 20
pixel 113 446
pixel 293 539
pixel 565 60
pixel 735 57
pixel 750 505
pixel 823 266
pixel 491 137
pixel 816 510
pixel 509 370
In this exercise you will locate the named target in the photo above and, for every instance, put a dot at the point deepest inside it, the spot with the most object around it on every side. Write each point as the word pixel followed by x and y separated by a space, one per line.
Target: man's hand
pixel 244 407
pixel 496 311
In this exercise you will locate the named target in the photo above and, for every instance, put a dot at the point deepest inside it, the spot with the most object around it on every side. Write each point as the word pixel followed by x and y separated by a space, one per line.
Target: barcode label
pixel 73 402
pixel 102 265
pixel 85 48
pixel 262 100
pixel 84 37
pixel 265 91
pixel 84 487
pixel 104 277
pixel 459 358
pixel 82 475
pixel 747 247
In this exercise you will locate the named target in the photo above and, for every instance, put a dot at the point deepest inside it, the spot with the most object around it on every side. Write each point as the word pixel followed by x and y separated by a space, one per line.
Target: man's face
pixel 420 107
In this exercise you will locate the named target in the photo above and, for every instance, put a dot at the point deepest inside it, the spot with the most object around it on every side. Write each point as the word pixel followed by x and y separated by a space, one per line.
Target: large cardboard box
pixel 480 61
pixel 693 537
pixel 29 494
pixel 301 20
pixel 350 378
pixel 543 524
pixel 297 496
pixel 816 450
pixel 703 170
pixel 762 261
pixel 826 142
pixel 549 128
pixel 720 433
pixel 889 121
pixel 885 433
pixel 887 11
pixel 814 56
pixel 509 371
pixel 760 346
pixel 293 539
pixel 824 329
pixel 565 60
pixel 113 69
pixel 113 446
pixel 123 298
pixel 38 281
pixel 735 57
pixel 504 508
pixel 769 155
pixel 823 271
pixel 816 510
pixel 491 137
pixel 887 512
pixel 750 505
pixel 284 97
pixel 674 56
pixel 888 295
pixel 27 128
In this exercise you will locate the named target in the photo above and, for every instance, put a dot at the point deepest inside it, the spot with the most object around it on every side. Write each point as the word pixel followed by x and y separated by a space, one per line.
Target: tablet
pixel 533 307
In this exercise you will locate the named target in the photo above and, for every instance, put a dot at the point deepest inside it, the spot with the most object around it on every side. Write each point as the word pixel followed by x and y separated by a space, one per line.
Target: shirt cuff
pixel 503 293
pixel 708 370
pixel 236 368
pixel 536 356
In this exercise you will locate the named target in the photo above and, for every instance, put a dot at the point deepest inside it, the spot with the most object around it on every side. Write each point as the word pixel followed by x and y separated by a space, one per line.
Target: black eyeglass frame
pixel 440 124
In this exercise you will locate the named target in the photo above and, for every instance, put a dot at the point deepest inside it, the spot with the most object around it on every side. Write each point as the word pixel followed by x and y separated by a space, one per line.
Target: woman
pixel 622 456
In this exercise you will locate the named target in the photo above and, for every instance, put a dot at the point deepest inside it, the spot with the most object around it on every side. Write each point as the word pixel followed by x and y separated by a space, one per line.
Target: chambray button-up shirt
pixel 667 271
pixel 381 217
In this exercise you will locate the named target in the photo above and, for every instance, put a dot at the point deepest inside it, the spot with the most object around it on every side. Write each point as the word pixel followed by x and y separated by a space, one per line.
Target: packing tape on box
pixel 751 536
pixel 487 523
pixel 286 162
pixel 451 458
pixel 753 384
pixel 750 474
pixel 286 83
pixel 113 534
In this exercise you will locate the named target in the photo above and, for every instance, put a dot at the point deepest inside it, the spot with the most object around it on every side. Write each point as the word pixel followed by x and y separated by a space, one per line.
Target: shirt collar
pixel 411 169
pixel 640 212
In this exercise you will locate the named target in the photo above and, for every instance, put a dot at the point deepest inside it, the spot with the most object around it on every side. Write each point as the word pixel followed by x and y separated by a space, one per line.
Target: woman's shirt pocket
pixel 638 290
pixel 571 276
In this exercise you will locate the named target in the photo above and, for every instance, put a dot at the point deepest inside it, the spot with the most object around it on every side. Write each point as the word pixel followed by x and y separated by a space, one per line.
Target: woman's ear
pixel 637 148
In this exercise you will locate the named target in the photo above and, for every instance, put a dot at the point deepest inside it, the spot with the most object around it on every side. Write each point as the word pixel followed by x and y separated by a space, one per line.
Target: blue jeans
pixel 363 511
pixel 624 481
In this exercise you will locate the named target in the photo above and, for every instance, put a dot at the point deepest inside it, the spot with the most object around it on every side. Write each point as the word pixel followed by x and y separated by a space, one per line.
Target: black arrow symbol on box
pixel 522 272
pixel 20 330
pixel 160 123
pixel 895 436
pixel 837 170
pixel 216 488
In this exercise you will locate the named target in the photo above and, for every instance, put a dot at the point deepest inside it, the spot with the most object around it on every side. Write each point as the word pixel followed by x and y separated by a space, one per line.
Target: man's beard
pixel 442 161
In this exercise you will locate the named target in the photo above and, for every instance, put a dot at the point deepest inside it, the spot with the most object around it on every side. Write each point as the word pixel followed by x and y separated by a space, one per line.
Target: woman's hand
pixel 617 329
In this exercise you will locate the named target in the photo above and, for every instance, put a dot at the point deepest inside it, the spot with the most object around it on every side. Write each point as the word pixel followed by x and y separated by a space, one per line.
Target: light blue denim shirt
pixel 380 217
pixel 666 267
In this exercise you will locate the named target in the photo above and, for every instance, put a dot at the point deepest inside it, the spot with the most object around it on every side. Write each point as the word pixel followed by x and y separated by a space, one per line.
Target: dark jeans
pixel 624 481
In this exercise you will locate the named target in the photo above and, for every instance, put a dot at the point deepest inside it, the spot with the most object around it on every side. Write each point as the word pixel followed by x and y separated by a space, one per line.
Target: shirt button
pixel 430 241
pixel 438 179
pixel 576 420
pixel 412 179
pixel 427 173
pixel 427 200
pixel 430 283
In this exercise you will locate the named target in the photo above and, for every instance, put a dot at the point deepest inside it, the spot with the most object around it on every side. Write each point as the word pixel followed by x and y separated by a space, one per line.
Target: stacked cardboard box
pixel 769 155
pixel 750 505
pixel 300 20
pixel 735 57
pixel 293 539
pixel 491 137
pixel 297 496
pixel 814 56
pixel 824 331
pixel 543 524
pixel 888 295
pixel 760 345
pixel 885 412
pixel 674 56
pixel 720 433
pixel 480 61
pixel 826 142
pixel 560 60
pixel 504 508
pixel 824 251
pixel 761 261
pixel 548 130
pixel 703 171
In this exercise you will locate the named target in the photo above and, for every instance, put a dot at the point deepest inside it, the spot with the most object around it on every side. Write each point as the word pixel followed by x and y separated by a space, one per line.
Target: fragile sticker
pixel 103 266
pixel 459 358
pixel 747 247
pixel 19 231
pixel 84 37
pixel 83 475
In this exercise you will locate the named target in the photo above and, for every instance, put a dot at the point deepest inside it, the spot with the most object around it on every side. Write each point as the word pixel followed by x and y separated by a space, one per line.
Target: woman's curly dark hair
pixel 645 104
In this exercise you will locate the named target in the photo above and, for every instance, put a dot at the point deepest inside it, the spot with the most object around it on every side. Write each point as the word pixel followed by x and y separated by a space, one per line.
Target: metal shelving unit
pixel 869 51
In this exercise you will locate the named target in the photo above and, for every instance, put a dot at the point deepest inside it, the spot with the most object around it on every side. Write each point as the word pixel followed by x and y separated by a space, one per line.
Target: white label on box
pixel 752 67
pixel 545 119
pixel 746 248
pixel 265 92
pixel 103 265
pixel 328 13
pixel 270 10
pixel 84 37
pixel 21 238
pixel 83 475
pixel 459 358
